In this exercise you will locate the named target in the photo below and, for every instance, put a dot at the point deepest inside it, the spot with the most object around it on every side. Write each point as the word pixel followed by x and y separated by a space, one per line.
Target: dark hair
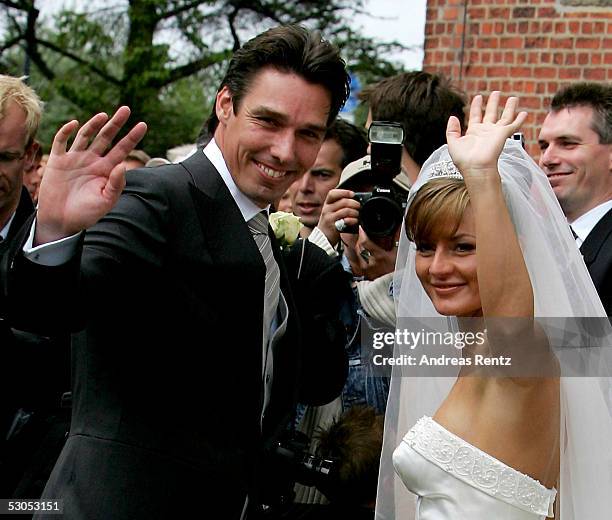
pixel 352 139
pixel 598 96
pixel 422 103
pixel 288 48
pixel 354 440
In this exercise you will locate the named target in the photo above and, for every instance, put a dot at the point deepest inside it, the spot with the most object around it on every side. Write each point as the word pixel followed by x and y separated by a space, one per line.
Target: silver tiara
pixel 445 169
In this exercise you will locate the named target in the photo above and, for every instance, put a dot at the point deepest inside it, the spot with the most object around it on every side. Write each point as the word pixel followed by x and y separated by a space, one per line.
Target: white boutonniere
pixel 286 227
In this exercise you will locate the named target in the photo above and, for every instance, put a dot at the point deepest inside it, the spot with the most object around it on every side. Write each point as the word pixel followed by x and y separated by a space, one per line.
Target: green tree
pixel 164 59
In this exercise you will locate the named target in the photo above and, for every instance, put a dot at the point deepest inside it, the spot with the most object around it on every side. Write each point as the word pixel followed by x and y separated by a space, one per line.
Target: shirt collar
pixel 246 206
pixel 584 224
pixel 4 231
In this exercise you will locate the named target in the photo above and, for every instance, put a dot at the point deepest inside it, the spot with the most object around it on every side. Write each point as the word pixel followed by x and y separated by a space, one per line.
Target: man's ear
pixel 224 106
pixel 30 153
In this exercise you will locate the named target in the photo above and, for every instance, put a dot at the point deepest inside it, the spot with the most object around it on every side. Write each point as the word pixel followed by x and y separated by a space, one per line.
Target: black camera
pixel 305 468
pixel 382 209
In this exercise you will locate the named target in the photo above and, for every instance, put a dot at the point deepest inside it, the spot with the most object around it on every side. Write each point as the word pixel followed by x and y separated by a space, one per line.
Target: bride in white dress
pixel 490 247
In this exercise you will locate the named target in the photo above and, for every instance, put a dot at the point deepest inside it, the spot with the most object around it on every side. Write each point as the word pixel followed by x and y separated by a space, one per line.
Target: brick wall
pixel 528 48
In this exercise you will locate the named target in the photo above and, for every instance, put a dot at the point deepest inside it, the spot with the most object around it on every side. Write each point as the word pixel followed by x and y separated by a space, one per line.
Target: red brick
pixel 545 72
pixel 520 72
pixel 440 28
pixel 596 59
pixel 475 70
pixel 509 57
pixel 458 28
pixel 486 57
pixel 552 87
pixel 523 12
pixel 540 87
pixel 432 43
pixel 497 71
pixel 511 27
pixel 607 43
pixel 497 12
pixel 431 14
pixel 538 42
pixel 560 27
pixel 523 27
pixel 488 43
pixel 482 86
pixel 479 12
pixel 574 27
pixel 583 58
pixel 498 57
pixel 500 28
pixel 547 27
pixel 545 57
pixel 575 14
pixel 587 28
pixel 531 102
pixel 608 58
pixel 511 43
pixel 534 27
pixel 595 74
pixel 451 13
pixel 486 28
pixel 569 73
pixel 474 29
pixel 495 85
pixel 558 58
pixel 450 56
pixel 547 12
pixel 570 59
pixel 588 43
pixel 599 27
pixel 561 43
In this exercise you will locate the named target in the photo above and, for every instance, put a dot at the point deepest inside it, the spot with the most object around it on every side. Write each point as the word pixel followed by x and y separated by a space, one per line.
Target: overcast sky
pixel 401 20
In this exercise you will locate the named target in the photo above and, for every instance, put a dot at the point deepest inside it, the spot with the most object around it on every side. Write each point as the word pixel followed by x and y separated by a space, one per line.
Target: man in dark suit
pixel 576 144
pixel 33 369
pixel 176 394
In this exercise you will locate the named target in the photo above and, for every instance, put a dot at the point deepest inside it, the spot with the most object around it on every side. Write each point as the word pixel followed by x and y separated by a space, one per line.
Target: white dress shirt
pixel 584 224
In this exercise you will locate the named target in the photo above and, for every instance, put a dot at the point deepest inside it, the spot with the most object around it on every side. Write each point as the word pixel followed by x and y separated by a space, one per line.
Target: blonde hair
pixel 437 207
pixel 14 89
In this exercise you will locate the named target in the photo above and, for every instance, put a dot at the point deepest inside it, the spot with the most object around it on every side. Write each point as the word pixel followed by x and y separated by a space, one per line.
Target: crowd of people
pixel 164 357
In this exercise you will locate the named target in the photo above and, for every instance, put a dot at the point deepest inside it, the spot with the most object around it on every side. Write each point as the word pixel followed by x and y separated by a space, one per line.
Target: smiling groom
pixel 185 372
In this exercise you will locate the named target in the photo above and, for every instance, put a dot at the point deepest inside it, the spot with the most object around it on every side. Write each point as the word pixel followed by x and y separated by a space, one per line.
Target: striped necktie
pixel 259 229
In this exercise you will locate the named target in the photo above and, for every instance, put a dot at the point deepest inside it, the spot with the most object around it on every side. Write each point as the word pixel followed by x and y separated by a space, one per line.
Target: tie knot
pixel 259 223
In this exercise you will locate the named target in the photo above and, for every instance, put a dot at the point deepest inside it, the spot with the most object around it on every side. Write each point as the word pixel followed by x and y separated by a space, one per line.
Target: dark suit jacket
pixel 34 373
pixel 167 373
pixel 597 253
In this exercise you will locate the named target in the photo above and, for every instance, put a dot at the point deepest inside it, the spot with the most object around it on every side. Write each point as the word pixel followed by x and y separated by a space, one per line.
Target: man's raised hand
pixel 83 183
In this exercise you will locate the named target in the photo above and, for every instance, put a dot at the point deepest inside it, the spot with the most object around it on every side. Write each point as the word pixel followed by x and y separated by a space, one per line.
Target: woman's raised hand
pixel 476 152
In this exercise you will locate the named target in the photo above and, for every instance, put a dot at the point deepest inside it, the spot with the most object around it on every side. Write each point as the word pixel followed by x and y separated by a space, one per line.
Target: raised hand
pixel 82 184
pixel 478 150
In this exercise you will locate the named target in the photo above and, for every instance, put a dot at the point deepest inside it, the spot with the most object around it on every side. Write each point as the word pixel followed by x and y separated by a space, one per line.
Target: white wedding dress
pixel 455 480
pixel 426 472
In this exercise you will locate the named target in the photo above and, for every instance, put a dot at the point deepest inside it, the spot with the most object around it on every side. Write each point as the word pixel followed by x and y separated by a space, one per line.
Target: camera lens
pixel 380 217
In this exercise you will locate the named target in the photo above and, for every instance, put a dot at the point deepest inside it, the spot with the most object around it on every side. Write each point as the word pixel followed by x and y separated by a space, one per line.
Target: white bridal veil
pixel 564 294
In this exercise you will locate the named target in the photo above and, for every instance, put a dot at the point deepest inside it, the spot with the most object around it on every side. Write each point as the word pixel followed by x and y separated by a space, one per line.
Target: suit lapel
pixel 227 234
pixel 597 238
